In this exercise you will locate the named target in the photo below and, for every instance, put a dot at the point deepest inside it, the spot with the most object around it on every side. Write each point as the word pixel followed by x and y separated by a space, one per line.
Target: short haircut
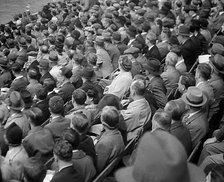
pixel 33 73
pixel 78 58
pixel 63 150
pixel 79 96
pixel 139 87
pixel 35 115
pixel 204 70
pixel 72 137
pixel 110 117
pixel 174 109
pixel 163 119
pixel 16 67
pixel 41 93
pixel 80 122
pixel 109 100
pixel 187 79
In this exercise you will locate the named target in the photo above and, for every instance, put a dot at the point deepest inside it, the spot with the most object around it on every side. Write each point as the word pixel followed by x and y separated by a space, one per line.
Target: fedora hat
pixel 184 30
pixel 217 63
pixel 27 98
pixel 153 66
pixel 160 157
pixel 194 97
pixel 15 101
pixel 3 62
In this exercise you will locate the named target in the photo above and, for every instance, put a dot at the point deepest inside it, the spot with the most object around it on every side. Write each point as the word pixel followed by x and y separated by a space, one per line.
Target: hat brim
pixel 184 97
pixel 125 174
pixel 213 65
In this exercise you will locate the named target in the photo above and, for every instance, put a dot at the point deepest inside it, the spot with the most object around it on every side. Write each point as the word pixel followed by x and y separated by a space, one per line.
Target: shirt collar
pixel 69 165
pixel 18 77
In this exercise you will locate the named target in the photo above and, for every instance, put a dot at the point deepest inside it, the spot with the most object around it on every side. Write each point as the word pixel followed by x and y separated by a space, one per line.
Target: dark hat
pixel 43 63
pixel 153 66
pixel 96 26
pixel 193 7
pixel 218 39
pixel 22 42
pixel 3 62
pixel 203 23
pixel 132 30
pixel 194 97
pixel 99 40
pixel 66 72
pixel 125 63
pixel 184 30
pixel 116 36
pixel 75 34
pixel 131 50
pixel 217 62
pixel 15 101
pixel 108 15
pixel 53 56
pixel 106 35
pixel 44 20
pixel 87 72
pixel 14 134
pixel 140 12
pixel 173 40
pixel 217 49
pixel 56 104
pixel 160 151
pixel 27 98
pixel 12 56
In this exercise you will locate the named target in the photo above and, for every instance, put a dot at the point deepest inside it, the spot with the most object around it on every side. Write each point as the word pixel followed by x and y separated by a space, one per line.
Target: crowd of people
pixel 81 79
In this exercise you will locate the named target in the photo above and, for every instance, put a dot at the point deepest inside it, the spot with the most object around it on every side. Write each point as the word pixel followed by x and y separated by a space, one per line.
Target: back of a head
pixel 80 123
pixel 14 135
pixel 110 117
pixel 33 73
pixel 109 100
pixel 175 109
pixel 138 87
pixel 49 84
pixel 162 120
pixel 35 115
pixel 63 150
pixel 187 80
pixel 79 96
pixel 41 93
pixel 72 137
pixel 16 67
pixel 204 71
pixel 56 105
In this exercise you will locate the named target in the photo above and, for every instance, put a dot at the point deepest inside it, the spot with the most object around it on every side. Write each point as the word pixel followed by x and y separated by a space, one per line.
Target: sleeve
pixel 220 134
pixel 160 97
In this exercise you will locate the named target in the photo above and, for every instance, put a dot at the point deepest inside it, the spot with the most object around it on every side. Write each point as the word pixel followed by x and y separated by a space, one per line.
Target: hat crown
pixel 194 95
pixel 160 157
pixel 15 100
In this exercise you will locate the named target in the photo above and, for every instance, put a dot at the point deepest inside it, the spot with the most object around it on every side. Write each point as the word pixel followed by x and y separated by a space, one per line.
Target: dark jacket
pixel 44 107
pixel 19 84
pixel 153 53
pixel 65 91
pixel 68 174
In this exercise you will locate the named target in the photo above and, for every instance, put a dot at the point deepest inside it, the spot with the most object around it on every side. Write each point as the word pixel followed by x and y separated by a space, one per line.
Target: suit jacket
pixel 66 90
pixel 47 75
pixel 5 78
pixel 84 164
pixel 109 146
pixel 19 84
pixel 135 116
pixel 39 140
pixel 170 78
pixel 197 125
pixel 190 50
pixel 57 126
pixel 44 107
pixel 217 84
pixel 203 43
pixel 163 48
pixel 179 130
pixel 158 89
pixel 68 174
pixel 153 53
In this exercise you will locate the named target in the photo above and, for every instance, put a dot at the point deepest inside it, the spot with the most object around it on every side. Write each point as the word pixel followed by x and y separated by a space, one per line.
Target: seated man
pixel 39 141
pixel 122 82
pixel 176 109
pixel 81 161
pixel 196 118
pixel 110 143
pixel 138 111
pixel 63 158
pixel 57 123
pixel 161 121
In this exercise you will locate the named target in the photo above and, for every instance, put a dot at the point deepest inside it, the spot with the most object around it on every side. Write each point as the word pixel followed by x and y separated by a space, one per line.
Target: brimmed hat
pixel 43 63
pixel 27 98
pixel 125 63
pixel 99 40
pixel 153 66
pixel 160 157
pixel 53 56
pixel 218 39
pixel 194 97
pixel 3 62
pixel 184 30
pixel 217 62
pixel 131 50
pixel 217 49
pixel 14 134
pixel 15 101
pixel 106 35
